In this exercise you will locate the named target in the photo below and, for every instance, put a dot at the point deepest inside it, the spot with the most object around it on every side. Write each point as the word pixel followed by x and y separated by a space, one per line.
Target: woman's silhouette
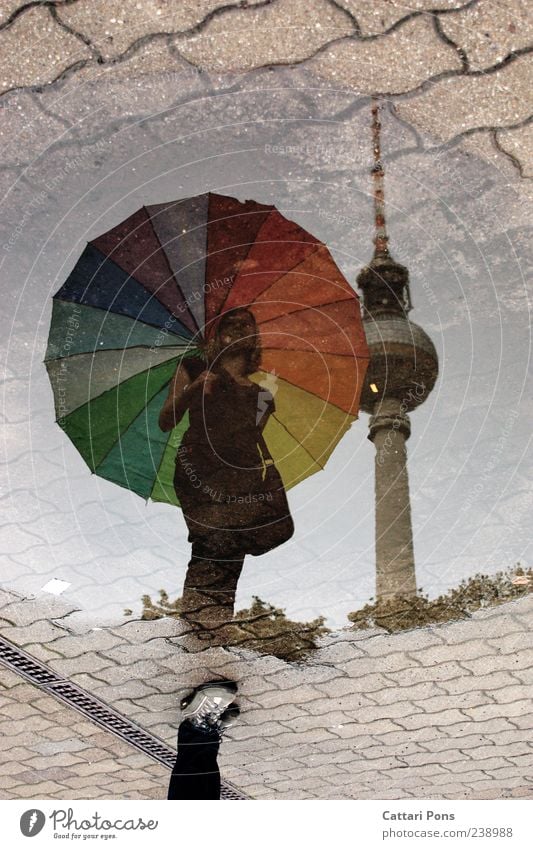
pixel 231 493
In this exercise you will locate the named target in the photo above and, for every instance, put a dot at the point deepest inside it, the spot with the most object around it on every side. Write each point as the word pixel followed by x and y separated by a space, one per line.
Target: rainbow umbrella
pixel 144 295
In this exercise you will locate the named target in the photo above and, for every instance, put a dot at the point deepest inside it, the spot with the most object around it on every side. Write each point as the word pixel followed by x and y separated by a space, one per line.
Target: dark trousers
pixel 210 585
pixel 195 774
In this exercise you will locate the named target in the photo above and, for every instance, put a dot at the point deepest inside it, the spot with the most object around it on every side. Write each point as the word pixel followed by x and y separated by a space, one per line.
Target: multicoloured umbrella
pixel 146 294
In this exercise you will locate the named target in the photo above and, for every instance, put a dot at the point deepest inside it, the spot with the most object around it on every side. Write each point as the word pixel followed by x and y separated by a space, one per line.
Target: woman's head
pixel 236 333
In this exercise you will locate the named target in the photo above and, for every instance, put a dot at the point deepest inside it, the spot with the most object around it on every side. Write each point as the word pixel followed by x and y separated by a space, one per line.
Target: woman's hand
pixel 205 381
pixel 180 395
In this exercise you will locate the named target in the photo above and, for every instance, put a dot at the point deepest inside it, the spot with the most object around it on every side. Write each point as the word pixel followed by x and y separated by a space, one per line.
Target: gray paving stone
pixel 431 657
pixel 437 718
pixel 520 663
pixel 412 693
pixel 455 700
pixel 504 710
pixel 491 682
pixel 432 672
pixel 514 642
pixel 38 632
pixel 514 693
pixel 75 645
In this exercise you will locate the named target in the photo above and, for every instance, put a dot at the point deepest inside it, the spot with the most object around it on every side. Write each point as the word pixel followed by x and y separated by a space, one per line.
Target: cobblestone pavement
pixel 49 751
pixel 438 712
pixel 457 69
pixel 441 712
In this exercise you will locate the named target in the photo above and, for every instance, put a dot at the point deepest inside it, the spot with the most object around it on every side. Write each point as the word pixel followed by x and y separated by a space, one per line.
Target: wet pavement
pixel 106 113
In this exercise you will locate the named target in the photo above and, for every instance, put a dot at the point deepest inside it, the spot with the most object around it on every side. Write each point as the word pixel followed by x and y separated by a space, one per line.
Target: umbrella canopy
pixel 149 292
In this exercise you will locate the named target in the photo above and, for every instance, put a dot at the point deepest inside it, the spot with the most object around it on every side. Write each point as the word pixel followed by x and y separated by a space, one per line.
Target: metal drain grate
pixel 98 712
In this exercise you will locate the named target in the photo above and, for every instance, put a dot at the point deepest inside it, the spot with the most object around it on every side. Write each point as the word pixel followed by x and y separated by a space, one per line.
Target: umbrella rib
pixel 286 271
pixel 178 287
pixel 314 394
pixel 250 246
pixel 316 353
pixel 314 276
pixel 108 452
pixel 95 351
pixel 123 315
pixel 311 307
pixel 285 428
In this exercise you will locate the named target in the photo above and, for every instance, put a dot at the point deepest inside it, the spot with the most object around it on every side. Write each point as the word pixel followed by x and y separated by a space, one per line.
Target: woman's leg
pixel 195 774
pixel 210 585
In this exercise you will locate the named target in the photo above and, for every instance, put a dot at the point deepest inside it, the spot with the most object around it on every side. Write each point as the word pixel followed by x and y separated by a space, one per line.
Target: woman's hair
pixel 214 346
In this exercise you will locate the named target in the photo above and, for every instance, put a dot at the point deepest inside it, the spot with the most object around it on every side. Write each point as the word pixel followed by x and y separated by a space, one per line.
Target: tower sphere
pixel 403 362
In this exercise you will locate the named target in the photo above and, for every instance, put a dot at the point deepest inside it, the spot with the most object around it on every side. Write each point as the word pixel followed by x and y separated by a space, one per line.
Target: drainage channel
pixel 41 676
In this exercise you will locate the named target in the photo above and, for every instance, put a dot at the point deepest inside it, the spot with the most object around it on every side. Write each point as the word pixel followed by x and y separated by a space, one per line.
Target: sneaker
pixel 206 704
pixel 228 718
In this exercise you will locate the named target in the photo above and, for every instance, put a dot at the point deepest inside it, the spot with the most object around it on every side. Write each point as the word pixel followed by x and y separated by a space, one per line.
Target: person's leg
pixel 195 774
pixel 210 586
pixel 206 714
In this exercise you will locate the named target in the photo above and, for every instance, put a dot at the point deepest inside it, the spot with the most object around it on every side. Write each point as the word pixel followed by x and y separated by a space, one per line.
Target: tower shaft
pixel 395 561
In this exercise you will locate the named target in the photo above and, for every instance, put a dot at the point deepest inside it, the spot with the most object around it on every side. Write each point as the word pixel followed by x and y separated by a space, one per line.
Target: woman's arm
pixel 180 395
pixel 174 407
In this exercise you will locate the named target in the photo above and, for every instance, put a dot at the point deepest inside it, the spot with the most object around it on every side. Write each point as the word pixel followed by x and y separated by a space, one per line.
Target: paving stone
pixel 431 658
pixel 525 676
pixel 411 693
pixel 7 782
pixel 7 9
pixel 40 632
pixel 488 32
pixel 33 723
pixel 114 30
pixel 46 705
pixel 413 53
pixel 507 750
pixel 519 663
pixel 61 759
pixel 377 17
pixel 338 653
pixel 524 721
pixel 256 35
pixel 95 641
pixel 368 681
pixel 52 50
pixel 493 100
pixel 311 735
pixel 524 762
pixel 301 723
pixel 132 690
pixel 8 679
pixel 480 629
pixel 55 747
pixel 504 710
pixel 340 687
pixel 454 700
pixel 20 754
pixel 37 776
pixel 438 718
pixel 512 694
pixel 356 729
pixel 297 696
pixel 89 663
pixel 355 702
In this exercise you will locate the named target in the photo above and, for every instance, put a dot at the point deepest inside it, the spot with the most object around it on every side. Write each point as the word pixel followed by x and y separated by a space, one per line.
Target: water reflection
pixel 262 627
pixel 226 481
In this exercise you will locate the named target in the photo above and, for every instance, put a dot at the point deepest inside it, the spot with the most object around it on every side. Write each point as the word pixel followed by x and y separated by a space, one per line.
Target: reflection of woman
pixel 226 481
